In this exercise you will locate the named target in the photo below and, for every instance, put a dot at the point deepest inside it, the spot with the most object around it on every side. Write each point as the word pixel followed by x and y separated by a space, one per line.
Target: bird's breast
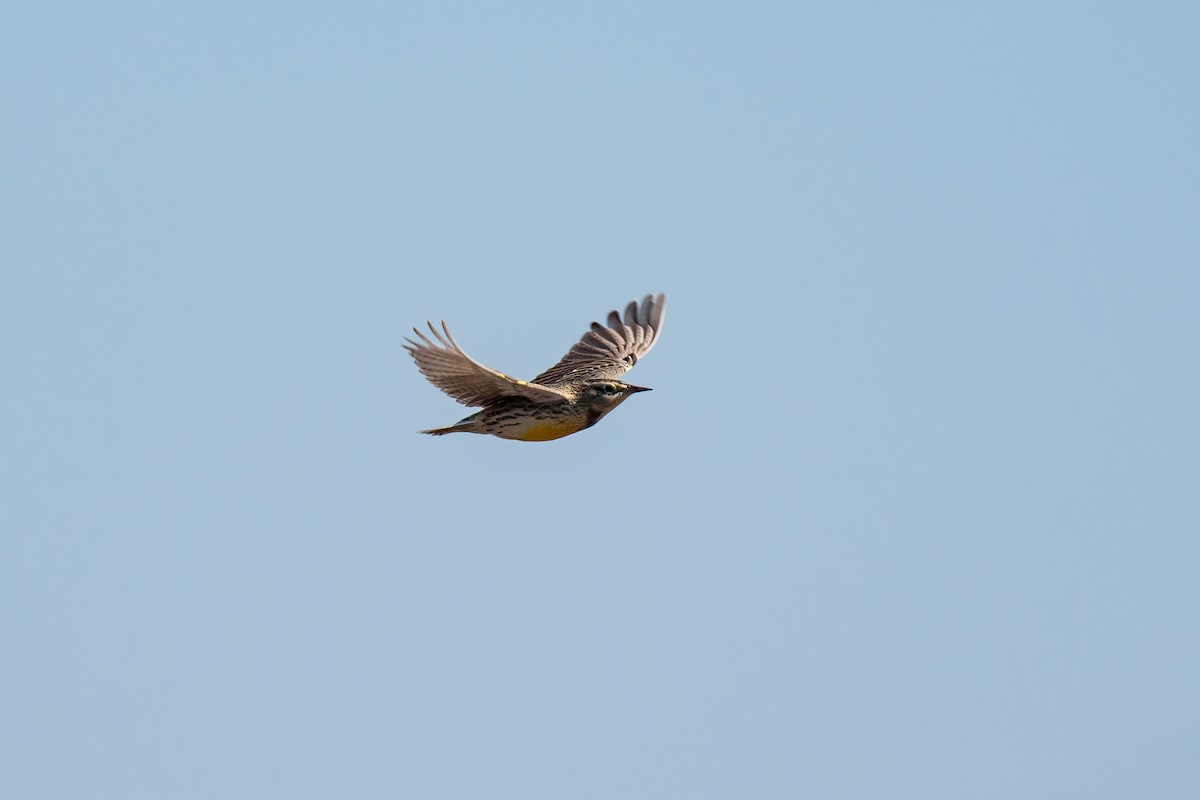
pixel 546 430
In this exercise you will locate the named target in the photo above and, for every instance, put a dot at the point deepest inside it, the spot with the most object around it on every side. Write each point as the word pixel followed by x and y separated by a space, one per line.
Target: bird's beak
pixel 635 389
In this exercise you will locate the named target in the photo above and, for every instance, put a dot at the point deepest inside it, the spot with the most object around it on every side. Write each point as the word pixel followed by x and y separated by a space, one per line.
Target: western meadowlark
pixel 572 395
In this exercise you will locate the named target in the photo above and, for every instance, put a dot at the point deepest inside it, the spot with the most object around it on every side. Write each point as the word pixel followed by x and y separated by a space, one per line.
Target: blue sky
pixel 912 510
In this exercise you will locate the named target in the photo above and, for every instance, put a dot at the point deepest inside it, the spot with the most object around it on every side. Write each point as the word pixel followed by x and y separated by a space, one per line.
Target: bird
pixel 570 396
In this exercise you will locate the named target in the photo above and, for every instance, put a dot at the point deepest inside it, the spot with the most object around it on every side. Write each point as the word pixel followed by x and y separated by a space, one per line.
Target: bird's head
pixel 604 395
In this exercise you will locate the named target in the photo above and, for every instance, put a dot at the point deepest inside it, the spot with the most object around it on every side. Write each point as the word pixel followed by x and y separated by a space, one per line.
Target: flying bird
pixel 572 395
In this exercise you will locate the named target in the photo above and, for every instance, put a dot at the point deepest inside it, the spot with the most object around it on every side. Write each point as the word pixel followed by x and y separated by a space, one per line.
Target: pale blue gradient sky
pixel 911 513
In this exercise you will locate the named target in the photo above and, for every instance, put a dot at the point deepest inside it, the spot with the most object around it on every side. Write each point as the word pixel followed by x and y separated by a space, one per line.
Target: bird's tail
pixel 458 427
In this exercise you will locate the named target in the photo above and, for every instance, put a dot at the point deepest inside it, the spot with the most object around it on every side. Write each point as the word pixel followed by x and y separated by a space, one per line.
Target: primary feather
pixel 450 369
pixel 609 351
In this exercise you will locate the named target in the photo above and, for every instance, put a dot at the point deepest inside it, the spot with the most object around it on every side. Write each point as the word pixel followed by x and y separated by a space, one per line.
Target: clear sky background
pixel 912 512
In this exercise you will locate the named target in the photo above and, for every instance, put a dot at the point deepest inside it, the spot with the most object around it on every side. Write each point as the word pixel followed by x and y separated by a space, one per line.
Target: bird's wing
pixel 611 350
pixel 466 380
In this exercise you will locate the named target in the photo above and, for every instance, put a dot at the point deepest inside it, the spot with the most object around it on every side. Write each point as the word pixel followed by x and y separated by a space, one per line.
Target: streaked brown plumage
pixel 572 395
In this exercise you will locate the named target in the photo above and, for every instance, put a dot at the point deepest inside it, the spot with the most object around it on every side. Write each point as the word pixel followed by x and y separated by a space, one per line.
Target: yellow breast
pixel 545 430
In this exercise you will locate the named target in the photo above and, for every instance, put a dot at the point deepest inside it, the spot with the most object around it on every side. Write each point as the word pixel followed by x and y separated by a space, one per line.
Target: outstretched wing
pixel 609 351
pixel 466 380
